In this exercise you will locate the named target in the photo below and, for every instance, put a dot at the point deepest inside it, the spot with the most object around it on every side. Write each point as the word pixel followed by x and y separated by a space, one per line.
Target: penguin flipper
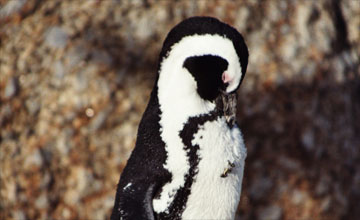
pixel 134 201
pixel 141 180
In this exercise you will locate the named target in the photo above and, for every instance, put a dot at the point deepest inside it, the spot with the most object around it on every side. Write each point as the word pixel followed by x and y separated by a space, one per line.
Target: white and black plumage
pixel 188 161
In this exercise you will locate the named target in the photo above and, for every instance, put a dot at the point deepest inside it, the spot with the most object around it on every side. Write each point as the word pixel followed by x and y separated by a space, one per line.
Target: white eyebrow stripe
pixel 199 45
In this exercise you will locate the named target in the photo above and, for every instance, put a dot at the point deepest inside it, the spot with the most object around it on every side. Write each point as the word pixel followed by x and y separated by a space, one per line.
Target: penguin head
pixel 202 56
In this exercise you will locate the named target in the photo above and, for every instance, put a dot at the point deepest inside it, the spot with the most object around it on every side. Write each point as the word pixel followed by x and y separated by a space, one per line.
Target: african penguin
pixel 188 160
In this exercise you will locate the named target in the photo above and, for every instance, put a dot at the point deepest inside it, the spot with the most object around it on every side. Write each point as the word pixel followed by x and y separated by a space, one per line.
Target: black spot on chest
pixel 178 205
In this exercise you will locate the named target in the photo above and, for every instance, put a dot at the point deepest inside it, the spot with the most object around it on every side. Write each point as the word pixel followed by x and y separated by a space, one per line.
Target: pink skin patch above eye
pixel 226 78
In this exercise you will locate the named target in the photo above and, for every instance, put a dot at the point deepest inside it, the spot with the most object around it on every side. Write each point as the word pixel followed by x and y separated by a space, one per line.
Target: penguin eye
pixel 207 71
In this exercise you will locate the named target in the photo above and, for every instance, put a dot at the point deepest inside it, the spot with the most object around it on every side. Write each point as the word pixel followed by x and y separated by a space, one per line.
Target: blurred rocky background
pixel 75 77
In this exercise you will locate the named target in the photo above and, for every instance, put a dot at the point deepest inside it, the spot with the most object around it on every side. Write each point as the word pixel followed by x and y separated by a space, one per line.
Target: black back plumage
pixel 144 169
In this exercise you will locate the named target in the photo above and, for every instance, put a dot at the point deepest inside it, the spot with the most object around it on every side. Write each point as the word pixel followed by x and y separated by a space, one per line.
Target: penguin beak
pixel 226 106
pixel 226 77
pixel 226 80
pixel 226 102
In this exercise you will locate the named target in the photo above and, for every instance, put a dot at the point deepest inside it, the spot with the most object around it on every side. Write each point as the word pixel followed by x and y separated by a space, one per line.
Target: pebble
pixel 298 197
pixel 99 119
pixel 66 213
pixel 42 201
pixel 308 139
pixel 89 112
pixel 11 87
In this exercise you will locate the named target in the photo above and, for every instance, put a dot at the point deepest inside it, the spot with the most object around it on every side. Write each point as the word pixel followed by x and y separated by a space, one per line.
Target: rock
pixel 325 204
pixel 272 212
pixel 34 159
pixel 42 201
pixel 63 143
pixel 59 70
pixel 120 74
pixel 56 37
pixel 19 215
pixel 11 7
pixel 322 187
pixel 289 163
pixel 75 55
pixel 260 188
pixel 101 57
pixel 81 81
pixel 33 106
pixel 144 26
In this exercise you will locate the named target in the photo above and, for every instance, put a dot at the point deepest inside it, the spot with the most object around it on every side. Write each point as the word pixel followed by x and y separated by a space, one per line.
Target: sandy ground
pixel 75 77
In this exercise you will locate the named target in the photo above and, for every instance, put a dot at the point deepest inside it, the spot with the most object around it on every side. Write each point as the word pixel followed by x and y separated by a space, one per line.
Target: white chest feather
pixel 213 196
